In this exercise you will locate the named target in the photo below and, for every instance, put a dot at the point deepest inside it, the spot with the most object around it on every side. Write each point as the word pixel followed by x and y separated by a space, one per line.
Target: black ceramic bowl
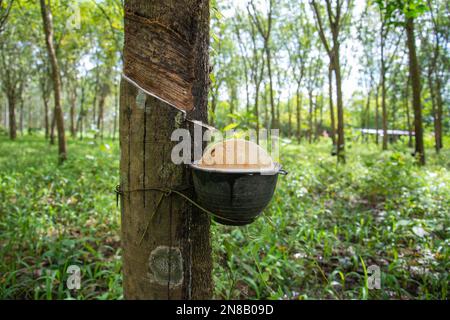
pixel 235 197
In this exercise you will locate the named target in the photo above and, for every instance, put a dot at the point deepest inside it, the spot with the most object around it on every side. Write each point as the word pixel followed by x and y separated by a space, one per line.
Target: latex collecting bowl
pixel 236 195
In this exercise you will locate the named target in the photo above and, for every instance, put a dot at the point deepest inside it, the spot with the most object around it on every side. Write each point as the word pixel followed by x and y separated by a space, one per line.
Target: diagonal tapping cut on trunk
pixel 160 60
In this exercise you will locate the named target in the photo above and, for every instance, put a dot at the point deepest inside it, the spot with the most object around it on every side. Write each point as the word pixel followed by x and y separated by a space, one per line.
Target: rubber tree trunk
pixel 408 117
pixel 377 114
pixel 365 121
pixel 414 71
pixel 73 101
pixel 46 122
pixel 383 89
pixel 101 107
pixel 274 124
pixel 299 115
pixel 316 121
pixel 52 129
pixel 257 109
pixel 439 103
pixel 171 259
pixel 310 116
pixel 433 109
pixel 56 76
pixel 21 116
pixel 266 108
pixel 289 117
pixel 12 116
pixel 116 111
pixel 81 114
pixel 340 111
pixel 330 97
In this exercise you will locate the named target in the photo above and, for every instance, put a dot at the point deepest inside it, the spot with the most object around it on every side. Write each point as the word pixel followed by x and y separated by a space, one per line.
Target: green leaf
pixel 231 126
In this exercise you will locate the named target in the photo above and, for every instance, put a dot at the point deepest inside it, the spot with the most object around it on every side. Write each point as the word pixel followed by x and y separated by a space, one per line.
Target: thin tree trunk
pixel 21 116
pixel 79 128
pixel 257 110
pixel 289 116
pixel 408 117
pixel 439 105
pixel 213 106
pixel 73 101
pixel 94 102
pixel 173 260
pixel 316 121
pixel 5 119
pixel 102 118
pixel 299 115
pixel 46 122
pixel 266 108
pixel 434 110
pixel 377 115
pixel 414 71
pixel 116 106
pixel 383 92
pixel 272 101
pixel 30 121
pixel 59 119
pixel 310 116
pixel 101 106
pixel 12 116
pixel 330 95
pixel 437 92
pixel 52 129
pixel 321 114
pixel 340 111
pixel 366 115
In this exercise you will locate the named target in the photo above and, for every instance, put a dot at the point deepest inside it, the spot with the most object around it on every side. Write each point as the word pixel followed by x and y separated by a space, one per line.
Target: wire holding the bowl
pixel 166 192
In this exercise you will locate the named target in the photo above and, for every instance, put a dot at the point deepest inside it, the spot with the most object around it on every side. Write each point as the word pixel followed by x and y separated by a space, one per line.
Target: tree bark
pixel 46 122
pixel 101 107
pixel 437 96
pixel 79 128
pixel 257 109
pixel 116 111
pixel 310 116
pixel 73 101
pixel 272 101
pixel 340 110
pixel 330 96
pixel 414 71
pixel 173 260
pixel 316 120
pixel 21 116
pixel 408 117
pixel 383 90
pixel 12 116
pixel 52 129
pixel 439 113
pixel 377 114
pixel 433 109
pixel 94 102
pixel 299 115
pixel 289 117
pixel 365 118
pixel 59 118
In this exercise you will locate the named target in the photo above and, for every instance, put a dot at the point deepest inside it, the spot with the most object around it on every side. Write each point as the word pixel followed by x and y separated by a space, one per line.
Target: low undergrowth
pixel 325 231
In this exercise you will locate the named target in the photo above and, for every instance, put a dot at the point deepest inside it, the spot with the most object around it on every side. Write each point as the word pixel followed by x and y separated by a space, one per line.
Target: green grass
pixel 325 226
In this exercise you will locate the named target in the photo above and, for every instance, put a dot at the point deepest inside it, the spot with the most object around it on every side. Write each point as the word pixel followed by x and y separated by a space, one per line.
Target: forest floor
pixel 325 228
